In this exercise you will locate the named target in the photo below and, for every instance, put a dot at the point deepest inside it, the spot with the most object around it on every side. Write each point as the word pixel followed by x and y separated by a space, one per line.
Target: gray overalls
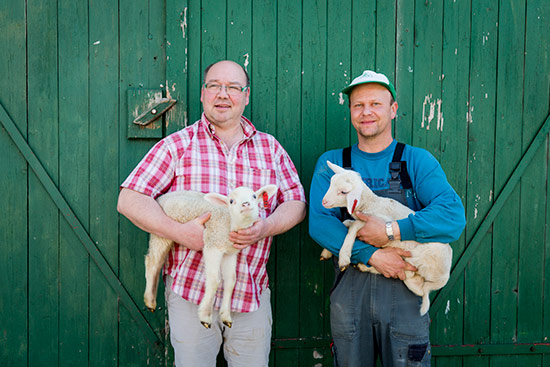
pixel 373 316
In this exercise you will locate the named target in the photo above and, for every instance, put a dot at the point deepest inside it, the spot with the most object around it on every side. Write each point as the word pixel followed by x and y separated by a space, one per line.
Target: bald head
pixel 227 64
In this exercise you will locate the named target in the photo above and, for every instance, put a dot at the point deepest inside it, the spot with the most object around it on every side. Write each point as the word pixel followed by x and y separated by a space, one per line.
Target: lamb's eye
pixel 231 201
pixel 254 196
pixel 343 192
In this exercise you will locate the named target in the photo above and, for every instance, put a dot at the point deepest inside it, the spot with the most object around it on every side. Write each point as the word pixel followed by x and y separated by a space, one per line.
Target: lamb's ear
pixel 353 199
pixel 216 199
pixel 336 168
pixel 268 190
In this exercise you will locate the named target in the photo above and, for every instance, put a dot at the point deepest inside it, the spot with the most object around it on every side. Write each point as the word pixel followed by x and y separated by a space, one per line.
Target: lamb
pixel 237 211
pixel 432 260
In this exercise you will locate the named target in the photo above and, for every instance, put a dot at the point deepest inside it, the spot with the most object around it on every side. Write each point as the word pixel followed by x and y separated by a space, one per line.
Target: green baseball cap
pixel 370 76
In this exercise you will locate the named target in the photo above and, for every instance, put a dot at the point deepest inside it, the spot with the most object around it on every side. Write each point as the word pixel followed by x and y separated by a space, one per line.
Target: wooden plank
pixel 73 180
pixel 177 43
pixel 533 183
pixel 14 179
pixel 138 49
pixel 404 71
pixel 264 66
pixel 239 35
pixel 104 115
pixel 480 170
pixel 214 27
pixel 288 86
pixel 194 56
pixel 427 76
pixel 43 225
pixel 338 129
pixel 447 326
pixel 506 229
pixel 314 314
pixel 385 38
pixel 363 47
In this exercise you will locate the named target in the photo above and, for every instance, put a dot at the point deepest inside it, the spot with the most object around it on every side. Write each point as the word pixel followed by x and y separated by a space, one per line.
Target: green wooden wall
pixel 473 84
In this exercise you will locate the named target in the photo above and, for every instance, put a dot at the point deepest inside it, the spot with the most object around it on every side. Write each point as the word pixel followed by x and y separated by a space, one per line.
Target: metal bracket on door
pixel 154 112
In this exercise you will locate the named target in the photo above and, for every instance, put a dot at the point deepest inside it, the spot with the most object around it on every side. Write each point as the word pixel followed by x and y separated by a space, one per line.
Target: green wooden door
pixel 473 85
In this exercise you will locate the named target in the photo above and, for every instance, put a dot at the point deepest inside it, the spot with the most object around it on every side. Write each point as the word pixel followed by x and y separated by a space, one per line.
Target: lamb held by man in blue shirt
pixel 432 260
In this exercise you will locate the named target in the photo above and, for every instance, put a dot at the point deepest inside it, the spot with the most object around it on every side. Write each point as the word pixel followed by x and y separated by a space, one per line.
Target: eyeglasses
pixel 232 90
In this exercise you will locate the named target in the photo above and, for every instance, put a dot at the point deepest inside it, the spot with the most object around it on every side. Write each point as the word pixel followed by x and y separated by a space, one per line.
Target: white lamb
pixel 433 260
pixel 237 211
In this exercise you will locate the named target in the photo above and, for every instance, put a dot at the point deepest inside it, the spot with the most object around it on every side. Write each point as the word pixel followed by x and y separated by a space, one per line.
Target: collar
pixel 248 128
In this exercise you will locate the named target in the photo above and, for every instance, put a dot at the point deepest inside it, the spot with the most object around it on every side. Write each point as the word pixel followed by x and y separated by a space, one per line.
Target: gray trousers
pixel 247 343
pixel 371 317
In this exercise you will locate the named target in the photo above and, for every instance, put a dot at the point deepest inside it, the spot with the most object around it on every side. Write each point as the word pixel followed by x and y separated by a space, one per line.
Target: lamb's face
pixel 341 184
pixel 242 202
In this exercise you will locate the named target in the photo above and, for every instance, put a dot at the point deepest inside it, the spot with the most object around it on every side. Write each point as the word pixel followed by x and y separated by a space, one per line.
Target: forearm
pixel 285 216
pixel 144 212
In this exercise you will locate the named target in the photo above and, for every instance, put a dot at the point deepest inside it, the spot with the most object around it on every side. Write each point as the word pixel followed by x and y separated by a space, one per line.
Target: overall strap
pixel 346 163
pixel 346 158
pixel 398 171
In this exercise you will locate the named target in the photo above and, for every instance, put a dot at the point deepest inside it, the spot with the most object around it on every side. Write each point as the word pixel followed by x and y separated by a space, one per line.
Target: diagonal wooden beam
pixel 470 250
pixel 77 227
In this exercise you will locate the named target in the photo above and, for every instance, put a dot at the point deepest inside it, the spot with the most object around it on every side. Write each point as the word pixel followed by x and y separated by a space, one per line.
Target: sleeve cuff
pixel 406 229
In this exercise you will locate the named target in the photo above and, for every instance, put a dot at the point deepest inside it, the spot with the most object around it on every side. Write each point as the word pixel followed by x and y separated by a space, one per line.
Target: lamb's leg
pixel 425 306
pixel 344 257
pixel 156 256
pixel 325 255
pixel 229 275
pixel 415 283
pixel 212 261
pixel 432 286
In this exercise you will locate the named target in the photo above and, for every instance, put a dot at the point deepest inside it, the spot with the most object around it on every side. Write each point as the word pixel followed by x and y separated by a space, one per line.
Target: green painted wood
pixel 14 181
pixel 43 217
pixel 469 55
pixel 495 209
pixel 50 188
pixel 177 42
pixel 103 186
pixel 138 69
pixel 239 35
pixel 74 176
pixel 314 317
pixel 263 60
pixel 338 127
pixel 506 227
pixel 532 272
pixel 404 68
pixel 288 86
pixel 447 325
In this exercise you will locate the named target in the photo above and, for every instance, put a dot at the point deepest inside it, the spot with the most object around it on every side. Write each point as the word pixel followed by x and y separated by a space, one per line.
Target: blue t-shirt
pixel 439 213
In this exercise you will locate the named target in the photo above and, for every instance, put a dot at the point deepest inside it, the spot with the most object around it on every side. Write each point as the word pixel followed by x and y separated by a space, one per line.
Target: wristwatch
pixel 389 231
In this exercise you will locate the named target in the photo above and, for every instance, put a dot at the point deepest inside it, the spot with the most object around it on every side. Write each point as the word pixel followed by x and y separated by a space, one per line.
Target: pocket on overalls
pixel 409 349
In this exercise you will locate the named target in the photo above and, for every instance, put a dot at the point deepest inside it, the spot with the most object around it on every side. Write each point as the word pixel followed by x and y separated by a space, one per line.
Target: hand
pixel 192 233
pixel 389 262
pixel 245 237
pixel 374 230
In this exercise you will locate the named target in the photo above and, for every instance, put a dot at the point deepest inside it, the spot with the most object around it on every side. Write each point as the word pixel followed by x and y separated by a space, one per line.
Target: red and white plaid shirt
pixel 195 159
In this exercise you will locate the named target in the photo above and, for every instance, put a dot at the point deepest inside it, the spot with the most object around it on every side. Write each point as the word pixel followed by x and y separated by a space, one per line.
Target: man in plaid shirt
pixel 218 153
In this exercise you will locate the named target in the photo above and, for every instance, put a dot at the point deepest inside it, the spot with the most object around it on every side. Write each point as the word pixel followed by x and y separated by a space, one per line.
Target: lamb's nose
pixel 246 203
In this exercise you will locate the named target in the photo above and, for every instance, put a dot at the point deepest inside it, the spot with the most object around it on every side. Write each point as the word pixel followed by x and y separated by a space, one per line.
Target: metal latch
pixel 154 112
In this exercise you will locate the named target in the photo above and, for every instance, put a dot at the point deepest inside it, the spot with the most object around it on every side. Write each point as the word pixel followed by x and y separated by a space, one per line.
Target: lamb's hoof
pixel 323 258
pixel 205 324
pixel 152 309
pixel 228 324
pixel 344 268
pixel 362 267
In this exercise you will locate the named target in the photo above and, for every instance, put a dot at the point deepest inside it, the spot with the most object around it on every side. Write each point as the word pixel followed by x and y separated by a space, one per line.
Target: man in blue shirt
pixel 376 315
